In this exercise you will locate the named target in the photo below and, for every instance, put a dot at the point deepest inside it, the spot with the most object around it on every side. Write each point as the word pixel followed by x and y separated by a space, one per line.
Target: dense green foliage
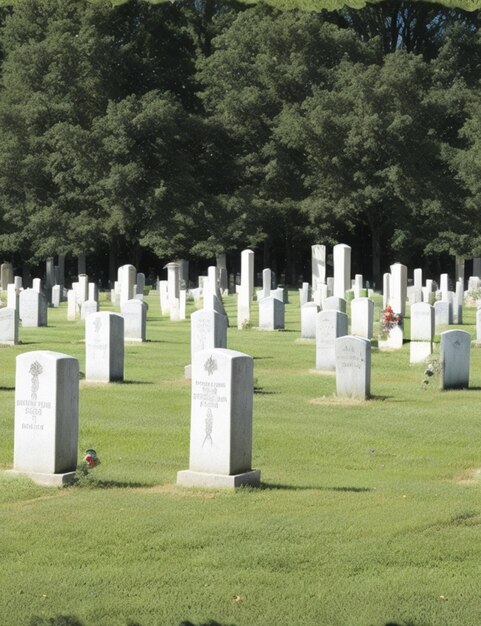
pixel 195 128
pixel 369 512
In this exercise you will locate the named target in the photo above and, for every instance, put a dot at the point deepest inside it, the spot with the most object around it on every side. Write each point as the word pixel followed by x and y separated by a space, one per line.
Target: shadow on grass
pixel 402 624
pixel 131 382
pixel 91 482
pixel 7 388
pixel 379 398
pixel 313 488
pixel 58 620
pixel 211 622
pixel 261 358
pixel 259 391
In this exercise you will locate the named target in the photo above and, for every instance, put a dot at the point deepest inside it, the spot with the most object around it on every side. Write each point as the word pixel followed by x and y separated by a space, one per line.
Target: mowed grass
pixel 369 512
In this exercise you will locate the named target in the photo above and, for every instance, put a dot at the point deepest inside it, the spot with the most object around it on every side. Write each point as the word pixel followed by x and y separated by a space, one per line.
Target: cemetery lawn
pixel 369 512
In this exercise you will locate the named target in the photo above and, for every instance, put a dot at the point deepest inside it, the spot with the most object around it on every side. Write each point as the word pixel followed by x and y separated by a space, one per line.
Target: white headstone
pixel 362 317
pixel 458 303
pixel 208 330
pixel 134 313
pixel 173 290
pixel 353 367
pixel 418 278
pixel 266 282
pixel 56 296
pixel 127 275
pixel 330 325
pixel 9 326
pixel 93 292
pixel 37 285
pixel 335 303
pixel 87 308
pixel 271 313
pixel 444 286
pixel 32 308
pixel 221 421
pixel 422 332
pixel 83 288
pixel 304 294
pixel 357 285
pixel 454 359
pixel 318 256
pixel 46 416
pixel 342 269
pixel 441 313
pixel 72 306
pixel 398 288
pixel 182 303
pixel 104 347
pixel 386 289
pixel 13 295
pixel 246 289
pixel 308 320
pixel 18 282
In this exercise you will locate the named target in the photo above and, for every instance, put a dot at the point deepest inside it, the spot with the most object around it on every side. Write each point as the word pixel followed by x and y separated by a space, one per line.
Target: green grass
pixel 369 513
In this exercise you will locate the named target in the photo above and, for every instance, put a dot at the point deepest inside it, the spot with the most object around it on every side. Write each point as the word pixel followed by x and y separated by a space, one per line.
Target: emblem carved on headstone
pixel 35 370
pixel 209 422
pixel 210 365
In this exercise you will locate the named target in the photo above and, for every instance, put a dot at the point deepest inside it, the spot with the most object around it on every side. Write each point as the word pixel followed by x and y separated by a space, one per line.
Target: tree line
pixel 145 132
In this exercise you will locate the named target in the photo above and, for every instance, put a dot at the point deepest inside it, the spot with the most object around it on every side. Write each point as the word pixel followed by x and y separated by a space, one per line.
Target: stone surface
pixel 83 288
pixel 93 292
pixel 442 312
pixel 386 289
pixel 46 416
pixel 362 317
pixel 72 306
pixel 56 296
pixel 271 313
pixel 398 288
pixel 33 308
pixel 353 367
pixel 134 313
pixel 173 290
pixel 13 295
pixel 419 351
pixel 334 303
pixel 308 320
pixel 330 325
pixel 318 259
pixel 208 330
pixel 342 269
pixel 104 347
pixel 221 419
pixel 454 359
pixel 394 340
pixel 304 294
pixel 422 322
pixel 8 326
pixel 87 308
pixel 126 277
pixel 246 288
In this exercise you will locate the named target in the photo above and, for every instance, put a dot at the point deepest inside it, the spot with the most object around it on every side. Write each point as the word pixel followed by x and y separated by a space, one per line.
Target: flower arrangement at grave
pixel 389 320
pixel 91 458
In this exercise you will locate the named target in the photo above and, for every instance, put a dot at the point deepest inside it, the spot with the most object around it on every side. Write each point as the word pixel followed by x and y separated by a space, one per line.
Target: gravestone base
pixel 188 478
pixel 188 372
pixel 419 351
pixel 46 480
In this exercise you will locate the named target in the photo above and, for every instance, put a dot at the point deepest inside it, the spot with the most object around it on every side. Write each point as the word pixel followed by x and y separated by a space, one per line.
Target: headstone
pixel 104 347
pixel 330 286
pixel 221 421
pixel 6 275
pixel 342 269
pixel 222 269
pixel 418 278
pixel 308 320
pixel 46 417
pixel 134 313
pixel 93 292
pixel 18 282
pixel 8 326
pixel 444 286
pixel 37 285
pixel 72 306
pixel 318 257
pixel 87 308
pixel 398 288
pixel 386 290
pixel 83 288
pixel 164 298
pixel 127 276
pixel 422 332
pixel 441 313
pixel 279 294
pixel 330 325
pixel 182 304
pixel 173 290
pixel 454 359
pixel 357 287
pixel 335 303
pixel 266 282
pixel 458 303
pixel 140 284
pixel 49 273
pixel 56 296
pixel 247 288
pixel 271 313
pixel 394 339
pixel 304 294
pixel 13 295
pixel 208 330
pixel 353 367
pixel 32 309
pixel 362 317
